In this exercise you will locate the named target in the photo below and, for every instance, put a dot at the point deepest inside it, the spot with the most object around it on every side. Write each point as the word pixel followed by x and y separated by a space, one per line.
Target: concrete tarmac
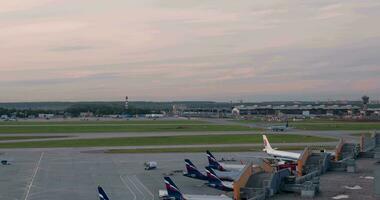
pixel 61 175
pixel 54 175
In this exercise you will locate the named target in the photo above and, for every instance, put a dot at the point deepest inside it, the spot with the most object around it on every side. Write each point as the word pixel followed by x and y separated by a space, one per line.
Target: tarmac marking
pixel 137 188
pixel 126 185
pixel 146 189
pixel 34 175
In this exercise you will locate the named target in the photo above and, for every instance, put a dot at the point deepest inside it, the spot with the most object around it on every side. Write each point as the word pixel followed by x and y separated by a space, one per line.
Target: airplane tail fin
pixel 213 163
pixel 172 189
pixel 209 154
pixel 191 168
pixel 266 143
pixel 102 194
pixel 212 177
pixel 211 170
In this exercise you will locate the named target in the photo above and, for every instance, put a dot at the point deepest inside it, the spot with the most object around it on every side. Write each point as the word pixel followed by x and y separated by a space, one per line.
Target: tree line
pixel 98 109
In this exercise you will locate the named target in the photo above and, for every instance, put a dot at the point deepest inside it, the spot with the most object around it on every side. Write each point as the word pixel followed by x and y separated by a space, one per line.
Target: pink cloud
pixel 18 5
pixel 212 49
pixel 366 85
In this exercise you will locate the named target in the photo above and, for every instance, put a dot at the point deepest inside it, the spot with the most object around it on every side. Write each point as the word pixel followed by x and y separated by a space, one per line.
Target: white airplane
pixel 281 155
pixel 215 164
pixel 279 128
pixel 173 193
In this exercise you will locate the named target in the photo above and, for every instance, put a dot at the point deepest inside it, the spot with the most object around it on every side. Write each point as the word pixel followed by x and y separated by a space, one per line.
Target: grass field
pixel 212 149
pixel 367 134
pixel 114 126
pixel 248 121
pixel 336 125
pixel 103 122
pixel 4 138
pixel 322 124
pixel 167 140
pixel 101 128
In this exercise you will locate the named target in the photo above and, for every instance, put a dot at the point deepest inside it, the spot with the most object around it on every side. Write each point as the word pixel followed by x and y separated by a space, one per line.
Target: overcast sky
pixel 222 50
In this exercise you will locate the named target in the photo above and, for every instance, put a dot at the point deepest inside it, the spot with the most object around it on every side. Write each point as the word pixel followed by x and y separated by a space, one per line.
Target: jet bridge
pixel 346 150
pixel 243 179
pixel 302 160
pixel 367 143
pixel 265 181
pixel 376 137
pixel 310 161
pixel 262 182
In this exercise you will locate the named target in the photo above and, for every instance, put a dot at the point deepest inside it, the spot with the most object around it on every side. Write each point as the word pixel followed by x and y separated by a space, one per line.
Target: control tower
pixel 126 103
pixel 365 101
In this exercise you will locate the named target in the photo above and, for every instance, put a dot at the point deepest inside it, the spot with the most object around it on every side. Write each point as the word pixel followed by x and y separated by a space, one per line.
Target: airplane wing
pixel 228 184
pixel 234 167
pixel 282 159
pixel 232 175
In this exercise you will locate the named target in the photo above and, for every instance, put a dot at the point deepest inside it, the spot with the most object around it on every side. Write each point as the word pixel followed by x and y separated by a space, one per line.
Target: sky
pixel 168 50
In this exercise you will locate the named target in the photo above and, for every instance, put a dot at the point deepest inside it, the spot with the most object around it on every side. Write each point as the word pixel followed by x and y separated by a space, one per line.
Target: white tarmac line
pixel 126 185
pixel 34 175
pixel 146 189
pixel 137 188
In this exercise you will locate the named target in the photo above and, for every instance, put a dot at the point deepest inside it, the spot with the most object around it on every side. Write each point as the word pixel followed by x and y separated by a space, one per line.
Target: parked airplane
pixel 102 194
pixel 173 193
pixel 215 164
pixel 215 182
pixel 281 155
pixel 279 128
pixel 193 172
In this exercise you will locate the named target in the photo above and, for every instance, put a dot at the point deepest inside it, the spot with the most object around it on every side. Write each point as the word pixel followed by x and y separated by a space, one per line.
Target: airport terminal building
pixel 307 110
pixel 278 110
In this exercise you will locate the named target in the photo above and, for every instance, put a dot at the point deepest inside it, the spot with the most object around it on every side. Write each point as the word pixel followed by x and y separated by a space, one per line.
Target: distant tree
pixel 96 108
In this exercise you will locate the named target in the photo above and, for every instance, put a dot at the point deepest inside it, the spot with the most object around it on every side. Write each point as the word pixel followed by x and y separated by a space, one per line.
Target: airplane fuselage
pixel 283 154
pixel 206 197
pixel 225 186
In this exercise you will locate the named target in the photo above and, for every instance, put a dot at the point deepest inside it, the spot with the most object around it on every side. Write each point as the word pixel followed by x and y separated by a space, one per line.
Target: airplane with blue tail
pixel 173 193
pixel 193 172
pixel 215 182
pixel 215 164
pixel 102 194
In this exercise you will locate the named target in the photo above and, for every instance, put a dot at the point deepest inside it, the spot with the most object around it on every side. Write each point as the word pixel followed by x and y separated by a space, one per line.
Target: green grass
pixel 367 134
pixel 4 138
pixel 248 121
pixel 284 122
pixel 103 122
pixel 336 125
pixel 101 128
pixel 321 124
pixel 167 140
pixel 203 149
